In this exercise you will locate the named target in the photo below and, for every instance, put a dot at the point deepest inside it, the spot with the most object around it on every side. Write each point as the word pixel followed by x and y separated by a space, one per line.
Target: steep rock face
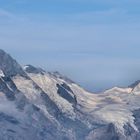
pixel 9 66
pixel 63 92
pixel 38 105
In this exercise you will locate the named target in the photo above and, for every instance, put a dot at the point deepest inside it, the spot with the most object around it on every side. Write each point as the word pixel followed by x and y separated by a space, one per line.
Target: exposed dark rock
pixel 63 91
pixel 32 69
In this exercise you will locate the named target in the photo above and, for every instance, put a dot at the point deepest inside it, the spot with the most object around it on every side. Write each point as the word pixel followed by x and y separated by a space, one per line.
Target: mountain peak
pixel 8 65
pixel 134 84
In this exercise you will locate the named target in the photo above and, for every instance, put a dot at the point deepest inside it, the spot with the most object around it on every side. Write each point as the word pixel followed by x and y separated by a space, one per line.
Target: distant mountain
pixel 40 105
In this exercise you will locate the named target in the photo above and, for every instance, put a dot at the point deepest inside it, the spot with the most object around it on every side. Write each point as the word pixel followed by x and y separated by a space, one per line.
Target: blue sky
pixel 96 43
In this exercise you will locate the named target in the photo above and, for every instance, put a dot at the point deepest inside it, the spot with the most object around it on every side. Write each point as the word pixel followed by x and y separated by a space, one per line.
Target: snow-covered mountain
pixel 40 105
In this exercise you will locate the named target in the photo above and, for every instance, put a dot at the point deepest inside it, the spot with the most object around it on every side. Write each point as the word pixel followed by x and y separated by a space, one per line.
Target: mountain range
pixel 40 105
